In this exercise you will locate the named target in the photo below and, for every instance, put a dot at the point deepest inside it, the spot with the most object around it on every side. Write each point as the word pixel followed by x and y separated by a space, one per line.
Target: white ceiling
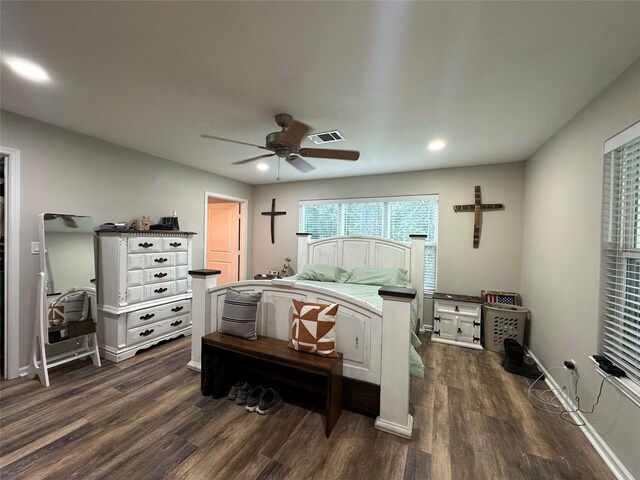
pixel 494 79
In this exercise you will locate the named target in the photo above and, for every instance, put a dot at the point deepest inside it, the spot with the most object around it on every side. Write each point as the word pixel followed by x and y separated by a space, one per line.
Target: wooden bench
pixel 227 359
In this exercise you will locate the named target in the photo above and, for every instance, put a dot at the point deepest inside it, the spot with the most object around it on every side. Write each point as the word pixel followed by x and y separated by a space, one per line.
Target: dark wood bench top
pixel 273 350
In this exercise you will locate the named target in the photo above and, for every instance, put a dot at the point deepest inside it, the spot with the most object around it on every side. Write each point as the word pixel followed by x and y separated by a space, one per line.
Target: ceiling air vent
pixel 326 137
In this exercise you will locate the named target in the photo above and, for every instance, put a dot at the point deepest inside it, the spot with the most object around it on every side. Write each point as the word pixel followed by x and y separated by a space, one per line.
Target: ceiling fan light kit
pixel 285 144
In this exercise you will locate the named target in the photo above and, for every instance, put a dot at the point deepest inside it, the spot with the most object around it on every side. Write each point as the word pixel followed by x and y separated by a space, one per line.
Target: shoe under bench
pixel 227 359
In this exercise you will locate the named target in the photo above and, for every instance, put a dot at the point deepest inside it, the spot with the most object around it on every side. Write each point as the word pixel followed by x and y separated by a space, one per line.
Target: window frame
pixel 619 245
pixel 385 223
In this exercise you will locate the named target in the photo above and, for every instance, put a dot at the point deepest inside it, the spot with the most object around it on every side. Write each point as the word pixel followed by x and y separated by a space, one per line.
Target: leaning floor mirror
pixel 66 313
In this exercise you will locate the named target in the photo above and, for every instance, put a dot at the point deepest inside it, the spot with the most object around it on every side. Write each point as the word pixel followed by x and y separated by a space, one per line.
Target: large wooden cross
pixel 478 207
pixel 273 214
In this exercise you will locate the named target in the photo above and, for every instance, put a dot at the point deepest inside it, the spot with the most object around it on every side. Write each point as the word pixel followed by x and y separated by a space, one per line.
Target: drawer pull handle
pixel 175 244
pixel 176 323
pixel 147 316
pixel 459 330
pixel 437 318
pixel 176 309
pixel 160 275
pixel 160 260
pixel 146 332
pixel 476 339
pixel 457 309
pixel 145 245
pixel 161 290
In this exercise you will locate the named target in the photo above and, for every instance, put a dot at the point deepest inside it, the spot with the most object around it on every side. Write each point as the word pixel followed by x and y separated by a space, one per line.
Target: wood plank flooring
pixel 144 418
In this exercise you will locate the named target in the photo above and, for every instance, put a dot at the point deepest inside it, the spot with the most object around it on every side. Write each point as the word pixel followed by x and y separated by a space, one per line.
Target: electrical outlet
pixel 35 248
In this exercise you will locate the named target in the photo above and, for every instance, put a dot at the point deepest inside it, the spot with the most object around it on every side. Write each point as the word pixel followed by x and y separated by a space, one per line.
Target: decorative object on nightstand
pixel 457 320
pixel 478 207
pixel 287 271
pixel 144 291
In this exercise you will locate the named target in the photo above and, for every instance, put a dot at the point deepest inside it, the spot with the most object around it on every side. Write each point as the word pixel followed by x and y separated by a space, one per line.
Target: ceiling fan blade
pixel 294 134
pixel 212 137
pixel 300 164
pixel 327 153
pixel 253 158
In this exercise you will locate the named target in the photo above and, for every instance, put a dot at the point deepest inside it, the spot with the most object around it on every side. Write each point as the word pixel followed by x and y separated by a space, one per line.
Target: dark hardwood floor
pixel 145 418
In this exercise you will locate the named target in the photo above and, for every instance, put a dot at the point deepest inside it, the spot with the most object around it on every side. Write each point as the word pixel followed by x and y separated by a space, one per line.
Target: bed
pixel 374 327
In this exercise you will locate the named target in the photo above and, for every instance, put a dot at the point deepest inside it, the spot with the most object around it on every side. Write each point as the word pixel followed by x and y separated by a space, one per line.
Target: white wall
pixel 66 172
pixel 461 268
pixel 561 255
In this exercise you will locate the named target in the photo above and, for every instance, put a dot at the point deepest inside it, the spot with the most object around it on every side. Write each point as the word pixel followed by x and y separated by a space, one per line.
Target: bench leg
pixel 334 398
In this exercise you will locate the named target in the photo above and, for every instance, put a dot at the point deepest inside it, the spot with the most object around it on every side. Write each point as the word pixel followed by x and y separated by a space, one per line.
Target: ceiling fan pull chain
pixel 279 162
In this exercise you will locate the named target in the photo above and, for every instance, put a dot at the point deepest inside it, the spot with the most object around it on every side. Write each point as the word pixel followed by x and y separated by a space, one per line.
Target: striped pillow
pixel 239 314
pixel 313 328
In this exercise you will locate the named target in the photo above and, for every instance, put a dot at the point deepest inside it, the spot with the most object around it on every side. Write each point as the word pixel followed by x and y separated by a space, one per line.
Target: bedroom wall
pixel 461 268
pixel 66 172
pixel 561 255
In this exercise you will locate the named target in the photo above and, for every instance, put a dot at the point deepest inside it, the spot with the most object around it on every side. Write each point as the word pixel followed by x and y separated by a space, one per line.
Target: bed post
pixel 203 281
pixel 394 375
pixel 417 265
pixel 303 250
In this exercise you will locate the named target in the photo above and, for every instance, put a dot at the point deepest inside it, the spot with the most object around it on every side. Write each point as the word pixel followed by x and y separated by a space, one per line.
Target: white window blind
pixel 394 218
pixel 620 339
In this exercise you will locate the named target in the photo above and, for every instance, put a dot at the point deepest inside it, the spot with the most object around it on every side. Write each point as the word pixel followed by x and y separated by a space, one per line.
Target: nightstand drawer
pixel 456 308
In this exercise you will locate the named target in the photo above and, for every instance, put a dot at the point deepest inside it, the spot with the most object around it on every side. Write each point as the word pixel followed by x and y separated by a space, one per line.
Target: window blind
pixel 620 339
pixel 394 218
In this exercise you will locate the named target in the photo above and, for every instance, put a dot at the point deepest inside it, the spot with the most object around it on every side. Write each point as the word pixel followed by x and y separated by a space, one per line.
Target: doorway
pixel 226 236
pixel 10 253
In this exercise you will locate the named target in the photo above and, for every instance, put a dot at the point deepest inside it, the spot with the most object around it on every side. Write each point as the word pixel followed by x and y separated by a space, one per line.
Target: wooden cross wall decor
pixel 478 207
pixel 273 214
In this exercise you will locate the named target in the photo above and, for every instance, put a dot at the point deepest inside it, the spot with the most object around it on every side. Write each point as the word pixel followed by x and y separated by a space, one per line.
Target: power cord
pixel 540 399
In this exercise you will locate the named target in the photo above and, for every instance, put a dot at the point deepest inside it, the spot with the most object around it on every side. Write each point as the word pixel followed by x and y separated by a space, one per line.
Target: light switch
pixel 35 248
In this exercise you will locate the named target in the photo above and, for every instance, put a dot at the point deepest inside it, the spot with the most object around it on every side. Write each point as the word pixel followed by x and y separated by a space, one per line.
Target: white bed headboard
pixel 351 252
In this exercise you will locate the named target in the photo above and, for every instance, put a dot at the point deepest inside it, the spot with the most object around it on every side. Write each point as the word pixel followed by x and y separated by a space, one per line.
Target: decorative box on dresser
pixel 457 320
pixel 144 290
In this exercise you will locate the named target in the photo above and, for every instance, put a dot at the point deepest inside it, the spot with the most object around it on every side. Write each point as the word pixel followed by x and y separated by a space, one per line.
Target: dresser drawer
pixel 182 271
pixel 144 244
pixel 155 275
pixel 159 260
pixel 135 261
pixel 135 277
pixel 158 290
pixel 155 329
pixel 171 244
pixel 455 308
pixel 182 286
pixel 181 258
pixel 160 312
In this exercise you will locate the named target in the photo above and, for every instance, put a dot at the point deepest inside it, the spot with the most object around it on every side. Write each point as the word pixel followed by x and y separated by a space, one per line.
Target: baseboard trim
pixel 23 371
pixel 610 458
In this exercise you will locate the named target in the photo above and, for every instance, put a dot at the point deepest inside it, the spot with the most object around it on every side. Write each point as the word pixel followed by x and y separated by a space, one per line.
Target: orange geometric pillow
pixel 313 328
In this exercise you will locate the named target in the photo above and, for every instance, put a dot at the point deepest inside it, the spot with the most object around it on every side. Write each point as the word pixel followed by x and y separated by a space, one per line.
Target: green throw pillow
pixel 396 277
pixel 323 273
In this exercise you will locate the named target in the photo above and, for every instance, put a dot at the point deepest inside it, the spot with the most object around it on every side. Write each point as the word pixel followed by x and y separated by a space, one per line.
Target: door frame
pixel 12 263
pixel 244 229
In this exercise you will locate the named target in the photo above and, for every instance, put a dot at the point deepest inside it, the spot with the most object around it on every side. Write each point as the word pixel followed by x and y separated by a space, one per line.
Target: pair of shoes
pixel 515 361
pixel 264 400
pixel 239 393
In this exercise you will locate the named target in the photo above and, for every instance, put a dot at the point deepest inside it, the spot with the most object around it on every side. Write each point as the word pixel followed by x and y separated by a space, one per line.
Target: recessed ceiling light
pixel 262 166
pixel 29 70
pixel 436 145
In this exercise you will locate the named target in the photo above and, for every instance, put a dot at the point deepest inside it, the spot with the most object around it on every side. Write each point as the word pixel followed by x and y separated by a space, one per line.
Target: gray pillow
pixel 239 314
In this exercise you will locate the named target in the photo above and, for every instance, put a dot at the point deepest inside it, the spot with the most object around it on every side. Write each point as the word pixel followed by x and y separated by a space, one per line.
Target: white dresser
pixel 457 320
pixel 144 289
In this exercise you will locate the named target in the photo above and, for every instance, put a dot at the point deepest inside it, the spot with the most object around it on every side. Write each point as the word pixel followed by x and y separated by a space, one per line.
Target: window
pixel 394 218
pixel 620 339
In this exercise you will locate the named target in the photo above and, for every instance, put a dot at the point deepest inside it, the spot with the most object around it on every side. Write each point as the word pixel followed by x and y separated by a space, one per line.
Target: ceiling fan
pixel 286 144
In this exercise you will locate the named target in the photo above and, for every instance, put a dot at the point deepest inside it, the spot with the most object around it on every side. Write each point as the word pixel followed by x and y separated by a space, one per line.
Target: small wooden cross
pixel 273 215
pixel 477 208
